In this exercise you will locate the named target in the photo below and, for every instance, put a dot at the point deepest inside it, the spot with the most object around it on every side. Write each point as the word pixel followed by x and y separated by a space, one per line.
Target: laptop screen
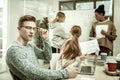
pixel 88 68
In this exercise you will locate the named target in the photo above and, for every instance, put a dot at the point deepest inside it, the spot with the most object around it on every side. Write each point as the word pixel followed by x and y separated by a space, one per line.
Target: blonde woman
pixel 70 51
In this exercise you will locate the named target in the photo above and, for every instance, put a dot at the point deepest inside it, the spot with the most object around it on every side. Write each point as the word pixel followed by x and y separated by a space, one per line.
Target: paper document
pixel 85 78
pixel 99 28
pixel 89 47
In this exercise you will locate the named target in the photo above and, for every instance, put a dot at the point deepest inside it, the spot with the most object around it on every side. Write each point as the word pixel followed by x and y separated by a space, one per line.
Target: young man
pixel 22 57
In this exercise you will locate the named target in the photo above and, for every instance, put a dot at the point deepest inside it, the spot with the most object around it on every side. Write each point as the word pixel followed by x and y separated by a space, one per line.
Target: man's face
pixel 27 30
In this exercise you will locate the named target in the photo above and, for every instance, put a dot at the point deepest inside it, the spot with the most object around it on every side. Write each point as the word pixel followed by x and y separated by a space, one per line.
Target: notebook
pixel 89 68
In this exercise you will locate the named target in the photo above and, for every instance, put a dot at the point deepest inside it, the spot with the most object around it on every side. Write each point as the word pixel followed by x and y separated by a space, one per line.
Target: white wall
pixel 15 10
pixel 82 18
pixel 117 24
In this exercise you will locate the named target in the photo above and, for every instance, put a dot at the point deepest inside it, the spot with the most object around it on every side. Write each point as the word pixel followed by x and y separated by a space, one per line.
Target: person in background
pixel 41 23
pixel 22 56
pixel 58 35
pixel 106 42
pixel 70 52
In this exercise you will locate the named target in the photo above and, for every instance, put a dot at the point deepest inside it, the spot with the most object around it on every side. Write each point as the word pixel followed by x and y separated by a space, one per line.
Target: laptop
pixel 89 68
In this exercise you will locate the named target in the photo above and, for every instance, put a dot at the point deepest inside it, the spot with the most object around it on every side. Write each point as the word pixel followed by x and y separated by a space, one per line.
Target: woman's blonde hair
pixel 71 49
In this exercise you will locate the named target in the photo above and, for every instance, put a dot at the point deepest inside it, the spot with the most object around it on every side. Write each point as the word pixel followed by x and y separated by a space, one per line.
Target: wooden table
pixel 98 75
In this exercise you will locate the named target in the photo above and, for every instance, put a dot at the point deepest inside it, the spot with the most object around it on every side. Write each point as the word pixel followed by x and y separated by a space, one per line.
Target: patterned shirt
pixel 23 62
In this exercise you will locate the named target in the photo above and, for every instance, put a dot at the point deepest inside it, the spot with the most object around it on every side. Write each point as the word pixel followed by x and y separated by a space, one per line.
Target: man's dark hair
pixel 26 18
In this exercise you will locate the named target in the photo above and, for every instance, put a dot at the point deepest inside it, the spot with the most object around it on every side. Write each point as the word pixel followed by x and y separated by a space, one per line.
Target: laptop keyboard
pixel 85 69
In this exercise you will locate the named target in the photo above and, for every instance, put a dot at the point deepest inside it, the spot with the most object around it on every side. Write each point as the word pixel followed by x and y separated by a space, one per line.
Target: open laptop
pixel 89 68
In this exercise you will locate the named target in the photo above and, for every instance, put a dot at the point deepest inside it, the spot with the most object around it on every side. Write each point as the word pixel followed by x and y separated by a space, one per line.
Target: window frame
pixel 94 5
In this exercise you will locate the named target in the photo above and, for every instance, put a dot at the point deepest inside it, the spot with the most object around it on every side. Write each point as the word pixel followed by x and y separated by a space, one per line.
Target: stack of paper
pixel 99 28
pixel 89 47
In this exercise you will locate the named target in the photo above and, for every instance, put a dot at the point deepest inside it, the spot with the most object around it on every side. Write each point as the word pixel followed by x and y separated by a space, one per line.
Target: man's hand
pixel 43 33
pixel 72 71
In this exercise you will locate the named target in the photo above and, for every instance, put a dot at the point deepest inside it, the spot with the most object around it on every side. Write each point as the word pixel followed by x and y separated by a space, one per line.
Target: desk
pixel 98 75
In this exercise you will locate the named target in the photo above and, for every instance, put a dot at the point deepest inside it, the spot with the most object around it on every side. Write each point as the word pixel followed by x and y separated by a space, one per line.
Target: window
pixel 84 5
pixel 67 6
pixel 88 4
